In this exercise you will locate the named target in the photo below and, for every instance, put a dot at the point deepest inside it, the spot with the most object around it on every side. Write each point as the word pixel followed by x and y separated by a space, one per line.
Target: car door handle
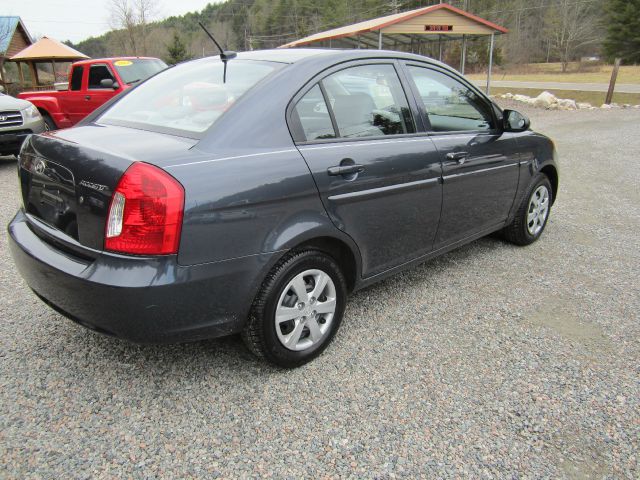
pixel 459 157
pixel 87 97
pixel 345 170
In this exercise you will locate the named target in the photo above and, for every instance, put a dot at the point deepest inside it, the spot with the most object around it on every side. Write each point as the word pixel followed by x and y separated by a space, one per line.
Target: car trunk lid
pixel 68 177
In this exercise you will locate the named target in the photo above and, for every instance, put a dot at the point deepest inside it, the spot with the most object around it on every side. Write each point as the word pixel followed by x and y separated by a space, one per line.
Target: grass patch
pixel 552 72
pixel 594 98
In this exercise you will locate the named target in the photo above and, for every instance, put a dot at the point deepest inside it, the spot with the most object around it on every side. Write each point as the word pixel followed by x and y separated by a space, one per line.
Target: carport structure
pixel 406 30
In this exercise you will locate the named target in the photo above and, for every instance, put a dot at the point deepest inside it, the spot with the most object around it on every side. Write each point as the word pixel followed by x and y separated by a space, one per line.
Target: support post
pixel 379 39
pixel 3 81
pixel 612 83
pixel 490 63
pixel 34 74
pixel 440 47
pixel 53 70
pixel 463 57
pixel 21 73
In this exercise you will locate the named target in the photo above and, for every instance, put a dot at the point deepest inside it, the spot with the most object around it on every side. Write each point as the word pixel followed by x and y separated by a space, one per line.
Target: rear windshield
pixel 188 98
pixel 133 70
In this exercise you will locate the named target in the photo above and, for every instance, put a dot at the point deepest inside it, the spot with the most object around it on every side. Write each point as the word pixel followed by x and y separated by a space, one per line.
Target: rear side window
pixel 368 101
pixel 76 78
pixel 97 73
pixel 314 116
pixel 449 104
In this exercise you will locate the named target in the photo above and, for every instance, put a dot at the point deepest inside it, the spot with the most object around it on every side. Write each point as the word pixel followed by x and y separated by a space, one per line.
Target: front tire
pixel 49 124
pixel 298 309
pixel 533 213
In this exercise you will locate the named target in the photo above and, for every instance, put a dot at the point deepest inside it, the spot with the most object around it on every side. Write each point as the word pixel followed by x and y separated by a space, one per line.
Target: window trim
pixel 423 113
pixel 295 127
pixel 327 104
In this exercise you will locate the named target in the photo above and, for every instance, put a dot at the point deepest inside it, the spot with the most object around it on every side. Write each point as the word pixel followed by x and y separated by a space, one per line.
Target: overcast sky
pixel 76 20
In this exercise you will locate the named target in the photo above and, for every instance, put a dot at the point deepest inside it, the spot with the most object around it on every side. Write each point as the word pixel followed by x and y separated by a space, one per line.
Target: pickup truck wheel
pixel 532 215
pixel 49 124
pixel 298 310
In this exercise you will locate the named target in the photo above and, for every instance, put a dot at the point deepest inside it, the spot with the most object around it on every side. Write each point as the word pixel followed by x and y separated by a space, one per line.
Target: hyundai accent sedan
pixel 199 205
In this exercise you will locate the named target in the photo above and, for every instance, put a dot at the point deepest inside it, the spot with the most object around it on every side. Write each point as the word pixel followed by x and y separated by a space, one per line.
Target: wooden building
pixel 14 38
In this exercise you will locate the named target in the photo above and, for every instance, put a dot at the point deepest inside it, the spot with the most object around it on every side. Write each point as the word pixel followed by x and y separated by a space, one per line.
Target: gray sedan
pixel 207 202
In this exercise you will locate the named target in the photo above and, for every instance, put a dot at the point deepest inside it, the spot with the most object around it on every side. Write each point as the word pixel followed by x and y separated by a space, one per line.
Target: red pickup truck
pixel 91 83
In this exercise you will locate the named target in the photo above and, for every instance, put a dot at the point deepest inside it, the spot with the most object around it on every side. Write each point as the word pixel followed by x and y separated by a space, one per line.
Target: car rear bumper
pixel 144 300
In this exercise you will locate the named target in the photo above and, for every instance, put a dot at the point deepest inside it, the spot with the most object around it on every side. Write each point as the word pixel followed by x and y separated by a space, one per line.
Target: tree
pixel 133 17
pixel 176 51
pixel 571 25
pixel 623 33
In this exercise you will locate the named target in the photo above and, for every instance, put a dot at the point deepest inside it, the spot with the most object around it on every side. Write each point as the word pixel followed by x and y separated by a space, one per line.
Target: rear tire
pixel 533 213
pixel 298 309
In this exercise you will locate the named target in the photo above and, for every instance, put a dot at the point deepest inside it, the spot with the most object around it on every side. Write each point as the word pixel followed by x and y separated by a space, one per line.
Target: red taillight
pixel 145 215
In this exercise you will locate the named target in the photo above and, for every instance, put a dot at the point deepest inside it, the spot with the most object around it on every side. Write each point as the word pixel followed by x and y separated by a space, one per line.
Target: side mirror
pixel 109 83
pixel 515 121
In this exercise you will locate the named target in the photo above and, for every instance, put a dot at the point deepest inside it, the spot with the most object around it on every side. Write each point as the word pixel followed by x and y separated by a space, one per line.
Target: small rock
pixel 605 106
pixel 566 104
pixel 584 106
pixel 521 98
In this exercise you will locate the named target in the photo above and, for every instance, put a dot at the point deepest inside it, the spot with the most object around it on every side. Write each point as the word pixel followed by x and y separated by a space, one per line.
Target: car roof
pixel 111 59
pixel 298 55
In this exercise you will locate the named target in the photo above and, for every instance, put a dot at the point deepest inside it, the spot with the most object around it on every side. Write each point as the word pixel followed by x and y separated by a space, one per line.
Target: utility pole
pixel 612 83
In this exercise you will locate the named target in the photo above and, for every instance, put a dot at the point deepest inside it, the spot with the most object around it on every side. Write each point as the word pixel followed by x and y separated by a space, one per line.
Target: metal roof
pixel 381 23
pixel 8 25
pixel 48 49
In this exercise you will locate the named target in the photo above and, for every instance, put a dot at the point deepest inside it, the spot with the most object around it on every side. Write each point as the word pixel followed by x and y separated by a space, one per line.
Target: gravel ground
pixel 492 361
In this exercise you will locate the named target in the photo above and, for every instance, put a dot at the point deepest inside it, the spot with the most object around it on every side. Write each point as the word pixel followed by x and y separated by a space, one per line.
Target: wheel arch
pixel 340 251
pixel 45 113
pixel 552 174
pixel 333 243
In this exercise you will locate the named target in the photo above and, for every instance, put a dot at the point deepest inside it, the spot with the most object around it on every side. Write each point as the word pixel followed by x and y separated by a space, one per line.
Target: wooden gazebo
pixel 47 51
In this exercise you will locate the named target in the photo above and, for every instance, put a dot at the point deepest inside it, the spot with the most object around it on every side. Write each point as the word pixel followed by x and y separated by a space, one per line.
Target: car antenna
pixel 225 55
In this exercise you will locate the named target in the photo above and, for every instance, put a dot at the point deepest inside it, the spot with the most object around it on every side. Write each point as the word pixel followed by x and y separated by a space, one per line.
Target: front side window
pixel 97 73
pixel 449 104
pixel 76 78
pixel 368 101
pixel 314 116
pixel 188 98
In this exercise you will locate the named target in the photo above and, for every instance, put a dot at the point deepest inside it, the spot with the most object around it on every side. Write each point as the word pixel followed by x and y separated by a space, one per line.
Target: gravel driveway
pixel 492 361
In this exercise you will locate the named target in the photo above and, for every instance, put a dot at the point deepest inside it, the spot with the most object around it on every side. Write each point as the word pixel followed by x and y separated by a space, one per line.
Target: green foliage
pixel 623 32
pixel 176 51
pixel 256 24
